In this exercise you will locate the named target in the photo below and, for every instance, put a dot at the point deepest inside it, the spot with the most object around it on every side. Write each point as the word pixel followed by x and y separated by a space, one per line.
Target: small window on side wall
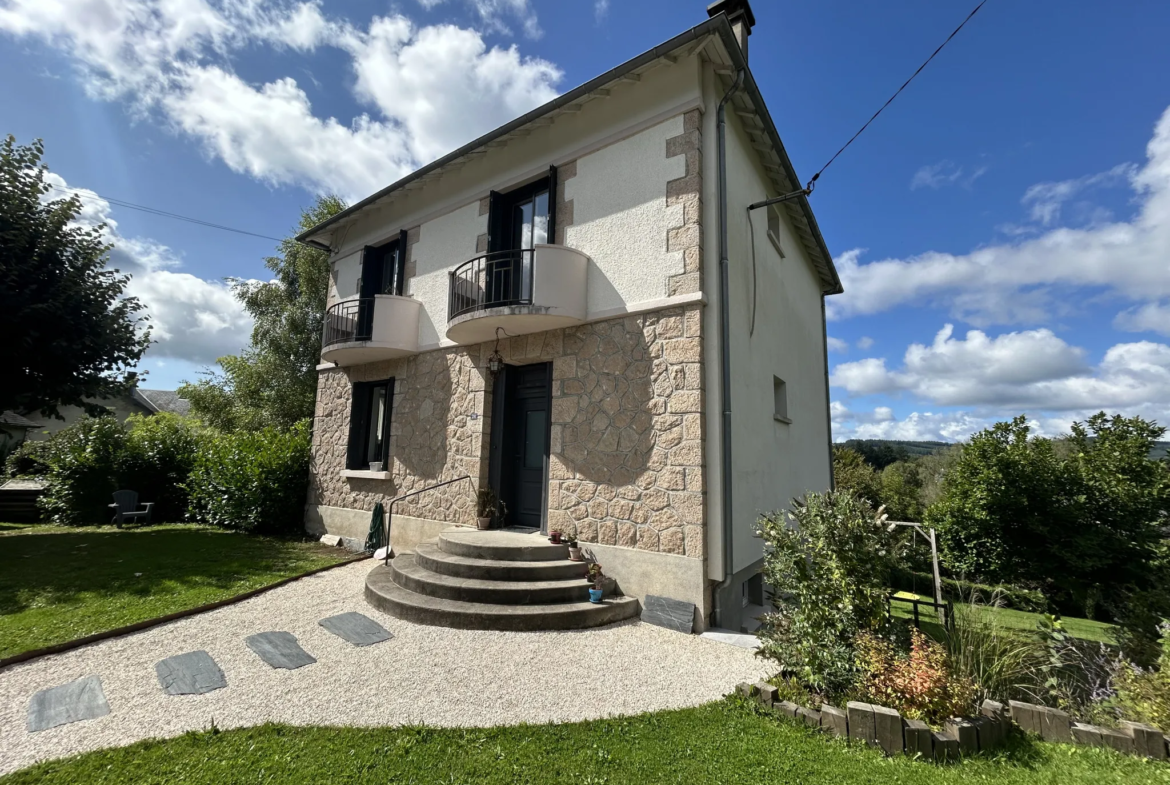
pixel 774 228
pixel 780 393
pixel 369 425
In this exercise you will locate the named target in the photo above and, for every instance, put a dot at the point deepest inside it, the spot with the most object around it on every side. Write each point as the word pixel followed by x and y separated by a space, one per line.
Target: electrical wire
pixel 896 93
pixel 163 213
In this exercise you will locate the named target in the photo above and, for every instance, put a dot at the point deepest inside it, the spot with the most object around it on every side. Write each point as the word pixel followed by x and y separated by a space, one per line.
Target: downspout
pixel 724 349
pixel 828 406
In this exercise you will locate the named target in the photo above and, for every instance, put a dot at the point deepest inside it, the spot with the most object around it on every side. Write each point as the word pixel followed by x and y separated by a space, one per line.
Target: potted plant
pixel 486 506
pixel 574 548
pixel 596 577
pixel 554 537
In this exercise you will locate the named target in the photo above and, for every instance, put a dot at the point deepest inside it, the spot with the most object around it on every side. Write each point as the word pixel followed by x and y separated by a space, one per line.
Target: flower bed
pixel 885 728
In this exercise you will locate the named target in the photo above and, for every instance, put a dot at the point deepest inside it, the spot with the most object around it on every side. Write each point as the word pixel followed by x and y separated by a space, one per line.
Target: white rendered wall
pixel 619 193
pixel 773 462
pixel 620 217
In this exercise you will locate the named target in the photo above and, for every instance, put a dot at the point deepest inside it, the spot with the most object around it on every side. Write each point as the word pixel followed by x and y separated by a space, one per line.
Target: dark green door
pixel 525 444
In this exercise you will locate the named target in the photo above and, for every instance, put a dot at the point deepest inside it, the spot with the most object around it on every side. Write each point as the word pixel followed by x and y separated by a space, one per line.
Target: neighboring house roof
pixel 14 420
pixel 748 102
pixel 163 401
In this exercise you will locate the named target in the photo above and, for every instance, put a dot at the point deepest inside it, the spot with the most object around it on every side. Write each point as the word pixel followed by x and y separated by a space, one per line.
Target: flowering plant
pixel 919 685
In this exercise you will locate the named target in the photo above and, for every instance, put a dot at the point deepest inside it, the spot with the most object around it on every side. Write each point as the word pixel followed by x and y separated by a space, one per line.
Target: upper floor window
pixel 774 223
pixel 384 268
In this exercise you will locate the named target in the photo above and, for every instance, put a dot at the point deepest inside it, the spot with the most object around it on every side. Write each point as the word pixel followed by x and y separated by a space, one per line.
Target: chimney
pixel 739 13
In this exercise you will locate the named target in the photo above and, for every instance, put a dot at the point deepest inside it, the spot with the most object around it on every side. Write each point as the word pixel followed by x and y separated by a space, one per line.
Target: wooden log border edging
pixel 146 624
pixel 886 729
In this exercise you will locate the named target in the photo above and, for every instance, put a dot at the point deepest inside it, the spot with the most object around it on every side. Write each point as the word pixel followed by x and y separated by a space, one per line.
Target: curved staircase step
pixel 387 596
pixel 501 545
pixel 410 575
pixel 430 557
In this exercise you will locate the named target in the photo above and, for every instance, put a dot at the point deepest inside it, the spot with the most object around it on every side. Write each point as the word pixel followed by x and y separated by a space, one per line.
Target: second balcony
pixel 369 329
pixel 525 291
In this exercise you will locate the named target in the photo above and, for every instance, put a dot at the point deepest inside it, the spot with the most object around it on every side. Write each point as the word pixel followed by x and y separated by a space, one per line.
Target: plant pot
pixel 484 522
pixel 554 538
pixel 595 595
pixel 574 553
pixel 375 466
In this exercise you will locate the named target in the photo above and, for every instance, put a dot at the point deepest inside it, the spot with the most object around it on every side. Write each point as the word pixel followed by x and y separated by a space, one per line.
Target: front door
pixel 524 442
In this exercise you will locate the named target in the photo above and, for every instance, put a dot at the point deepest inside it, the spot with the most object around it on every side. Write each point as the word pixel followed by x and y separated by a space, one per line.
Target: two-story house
pixel 580 311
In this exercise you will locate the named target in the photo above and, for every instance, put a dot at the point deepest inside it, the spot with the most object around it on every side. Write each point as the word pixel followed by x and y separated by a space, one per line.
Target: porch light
pixel 495 361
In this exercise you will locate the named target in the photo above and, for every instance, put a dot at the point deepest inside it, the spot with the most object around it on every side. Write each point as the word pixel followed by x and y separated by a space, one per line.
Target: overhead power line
pixel 809 187
pixel 164 213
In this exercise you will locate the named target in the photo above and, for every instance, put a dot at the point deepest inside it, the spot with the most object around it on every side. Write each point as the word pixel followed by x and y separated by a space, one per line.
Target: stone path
pixel 187 674
pixel 280 650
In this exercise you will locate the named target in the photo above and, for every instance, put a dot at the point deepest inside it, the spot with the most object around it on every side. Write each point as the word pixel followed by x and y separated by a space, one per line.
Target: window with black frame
pixel 369 431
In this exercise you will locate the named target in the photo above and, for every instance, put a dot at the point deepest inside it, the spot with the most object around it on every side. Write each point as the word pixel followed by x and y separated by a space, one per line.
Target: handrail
pixel 396 499
pixel 348 321
pixel 491 280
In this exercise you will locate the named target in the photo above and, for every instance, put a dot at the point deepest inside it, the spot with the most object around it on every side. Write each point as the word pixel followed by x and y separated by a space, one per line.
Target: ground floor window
pixel 369 431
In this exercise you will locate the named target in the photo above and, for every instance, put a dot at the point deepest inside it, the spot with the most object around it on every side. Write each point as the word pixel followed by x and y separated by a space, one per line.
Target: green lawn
pixel 724 742
pixel 58 583
pixel 1086 629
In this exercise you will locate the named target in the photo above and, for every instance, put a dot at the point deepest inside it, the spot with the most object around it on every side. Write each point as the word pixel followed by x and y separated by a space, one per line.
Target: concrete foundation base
pixel 405 532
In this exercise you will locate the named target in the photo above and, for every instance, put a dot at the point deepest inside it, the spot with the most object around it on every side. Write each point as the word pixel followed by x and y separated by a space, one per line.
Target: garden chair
pixel 125 508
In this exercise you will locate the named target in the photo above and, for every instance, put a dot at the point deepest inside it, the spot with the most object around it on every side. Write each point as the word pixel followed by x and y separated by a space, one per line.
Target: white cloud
pixel 1029 278
pixel 944 173
pixel 1151 317
pixel 1020 370
pixel 433 88
pixel 880 423
pixel 600 10
pixel 836 344
pixel 190 318
pixel 864 342
pixel 493 12
pixel 1044 200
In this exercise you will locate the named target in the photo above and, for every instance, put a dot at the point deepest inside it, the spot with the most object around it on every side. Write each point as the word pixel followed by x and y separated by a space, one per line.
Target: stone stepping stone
pixel 669 613
pixel 193 673
pixel 279 649
pixel 357 629
pixel 78 700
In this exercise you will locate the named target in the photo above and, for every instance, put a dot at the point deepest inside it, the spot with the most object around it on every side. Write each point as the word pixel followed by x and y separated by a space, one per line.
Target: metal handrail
pixel 348 321
pixel 396 499
pixel 492 280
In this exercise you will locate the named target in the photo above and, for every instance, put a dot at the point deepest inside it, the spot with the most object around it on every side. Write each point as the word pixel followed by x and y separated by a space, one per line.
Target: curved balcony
pixel 368 329
pixel 521 291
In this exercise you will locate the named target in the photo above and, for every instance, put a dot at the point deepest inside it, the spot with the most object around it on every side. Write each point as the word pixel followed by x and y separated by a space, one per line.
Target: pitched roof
pixel 14 420
pixel 748 102
pixel 165 401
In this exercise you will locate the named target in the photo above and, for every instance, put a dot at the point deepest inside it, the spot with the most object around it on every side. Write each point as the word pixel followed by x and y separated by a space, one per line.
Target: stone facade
pixel 627 439
pixel 687 191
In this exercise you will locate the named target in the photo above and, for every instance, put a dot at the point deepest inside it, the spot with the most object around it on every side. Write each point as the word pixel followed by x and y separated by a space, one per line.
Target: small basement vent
pixel 780 392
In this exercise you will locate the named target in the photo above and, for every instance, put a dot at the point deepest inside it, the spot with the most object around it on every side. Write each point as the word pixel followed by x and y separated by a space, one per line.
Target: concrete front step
pixel 387 596
pixel 501 546
pixel 430 557
pixel 408 574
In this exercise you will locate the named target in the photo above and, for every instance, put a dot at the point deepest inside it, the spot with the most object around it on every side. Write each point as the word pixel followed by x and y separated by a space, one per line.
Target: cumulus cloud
pixel 836 344
pixel 492 14
pixel 190 318
pixel 1034 369
pixel 1027 279
pixel 1151 317
pixel 430 89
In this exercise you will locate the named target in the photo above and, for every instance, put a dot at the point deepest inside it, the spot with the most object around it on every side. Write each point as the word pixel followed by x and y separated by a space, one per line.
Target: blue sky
pixel 1003 229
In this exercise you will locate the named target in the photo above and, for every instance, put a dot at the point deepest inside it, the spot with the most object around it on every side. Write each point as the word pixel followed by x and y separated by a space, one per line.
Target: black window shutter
pixel 359 413
pixel 400 273
pixel 496 221
pixel 385 456
pixel 371 271
pixel 552 204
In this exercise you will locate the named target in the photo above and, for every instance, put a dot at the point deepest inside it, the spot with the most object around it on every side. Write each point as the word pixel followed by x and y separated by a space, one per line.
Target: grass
pixel 723 742
pixel 1086 629
pixel 58 583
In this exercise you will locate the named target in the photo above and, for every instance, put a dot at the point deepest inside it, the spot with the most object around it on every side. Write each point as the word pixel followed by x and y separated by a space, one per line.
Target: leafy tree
pixel 878 453
pixel 901 490
pixel 69 333
pixel 274 381
pixel 829 568
pixel 851 472
pixel 1004 512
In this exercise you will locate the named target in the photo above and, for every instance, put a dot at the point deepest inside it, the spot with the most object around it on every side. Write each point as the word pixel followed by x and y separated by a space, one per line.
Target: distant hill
pixel 880 453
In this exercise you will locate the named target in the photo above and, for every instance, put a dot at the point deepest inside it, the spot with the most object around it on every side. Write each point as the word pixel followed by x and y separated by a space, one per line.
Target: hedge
pixel 1012 596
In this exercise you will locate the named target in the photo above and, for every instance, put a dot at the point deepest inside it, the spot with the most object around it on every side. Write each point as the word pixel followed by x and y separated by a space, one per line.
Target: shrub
pixel 1002 664
pixel 254 481
pixel 28 460
pixel 82 463
pixel 829 572
pixel 1007 595
pixel 1144 694
pixel 919 684
pixel 157 456
pixel 852 473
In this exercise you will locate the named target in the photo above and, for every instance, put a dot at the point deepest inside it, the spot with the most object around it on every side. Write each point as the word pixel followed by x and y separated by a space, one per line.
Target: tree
pixel 851 472
pixel 69 332
pixel 901 490
pixel 274 381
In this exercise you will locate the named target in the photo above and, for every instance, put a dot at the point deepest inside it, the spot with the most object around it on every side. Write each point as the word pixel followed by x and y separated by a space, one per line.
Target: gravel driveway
pixel 430 675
